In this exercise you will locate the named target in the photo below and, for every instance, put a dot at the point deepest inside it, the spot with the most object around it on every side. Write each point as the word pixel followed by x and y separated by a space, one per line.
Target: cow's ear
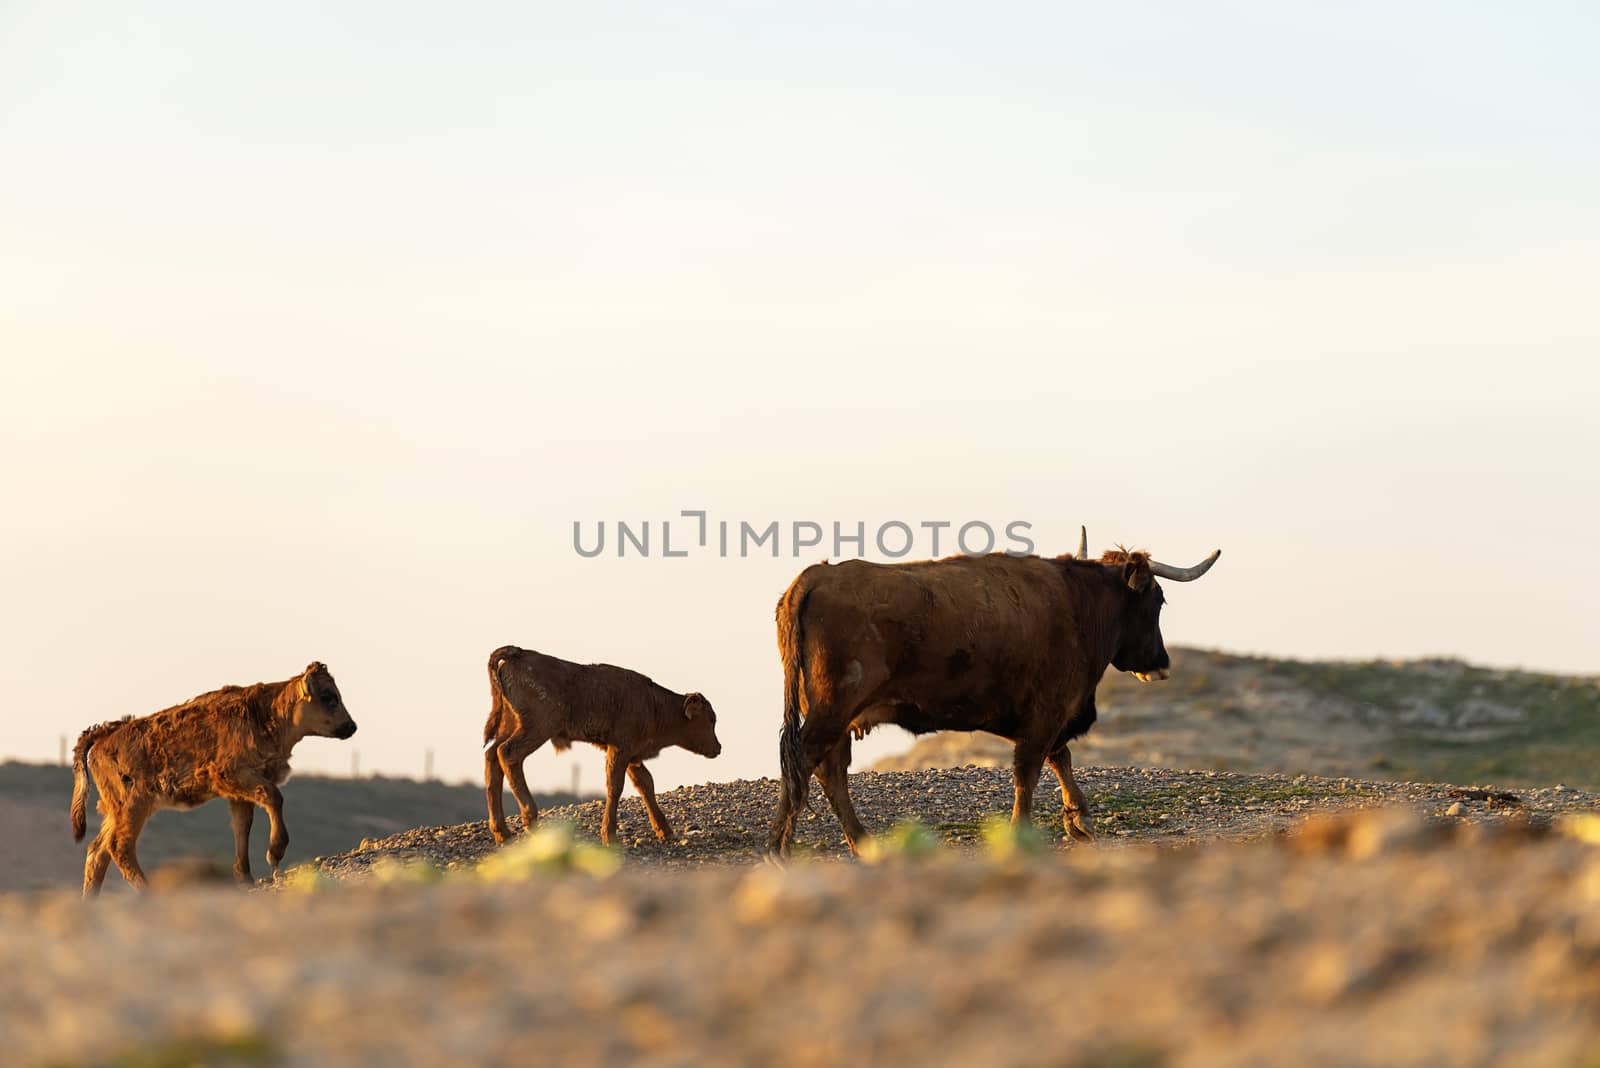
pixel 1136 573
pixel 691 705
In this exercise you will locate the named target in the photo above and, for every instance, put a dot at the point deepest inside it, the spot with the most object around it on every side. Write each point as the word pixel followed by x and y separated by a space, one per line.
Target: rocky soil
pixel 727 823
pixel 1461 928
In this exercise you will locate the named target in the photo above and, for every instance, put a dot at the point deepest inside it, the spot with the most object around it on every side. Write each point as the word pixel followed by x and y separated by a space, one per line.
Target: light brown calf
pixel 539 698
pixel 233 742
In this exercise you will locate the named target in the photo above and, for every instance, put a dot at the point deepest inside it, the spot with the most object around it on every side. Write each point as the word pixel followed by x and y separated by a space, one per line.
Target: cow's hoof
pixel 1079 829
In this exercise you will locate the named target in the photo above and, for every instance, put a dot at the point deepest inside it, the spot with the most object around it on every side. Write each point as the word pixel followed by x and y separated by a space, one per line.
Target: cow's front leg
pixel 242 815
pixel 616 768
pixel 1026 763
pixel 1074 806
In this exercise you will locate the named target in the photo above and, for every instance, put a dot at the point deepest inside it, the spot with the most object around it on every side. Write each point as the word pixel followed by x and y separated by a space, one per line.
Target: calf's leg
pixel 834 775
pixel 1074 806
pixel 125 838
pixel 494 792
pixel 99 858
pixel 259 791
pixel 615 767
pixel 242 814
pixel 278 839
pixel 646 785
pixel 513 751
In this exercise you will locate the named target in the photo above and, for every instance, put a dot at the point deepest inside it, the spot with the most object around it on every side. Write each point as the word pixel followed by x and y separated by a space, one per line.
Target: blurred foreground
pixel 1369 938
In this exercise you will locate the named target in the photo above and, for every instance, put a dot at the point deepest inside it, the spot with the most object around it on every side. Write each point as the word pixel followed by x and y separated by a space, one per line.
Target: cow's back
pixel 994 603
pixel 965 629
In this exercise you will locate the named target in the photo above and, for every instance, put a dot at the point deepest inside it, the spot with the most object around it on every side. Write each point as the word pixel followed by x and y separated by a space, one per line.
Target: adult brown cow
pixel 537 698
pixel 1012 645
pixel 233 742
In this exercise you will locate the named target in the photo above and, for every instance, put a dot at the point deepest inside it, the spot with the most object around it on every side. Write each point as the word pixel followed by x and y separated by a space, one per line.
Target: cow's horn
pixel 1083 544
pixel 1183 574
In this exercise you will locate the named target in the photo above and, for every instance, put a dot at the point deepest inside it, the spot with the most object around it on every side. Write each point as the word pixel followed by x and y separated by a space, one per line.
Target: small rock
pixel 1455 810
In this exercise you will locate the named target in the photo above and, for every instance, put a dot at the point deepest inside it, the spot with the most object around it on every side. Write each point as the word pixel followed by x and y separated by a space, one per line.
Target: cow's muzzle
pixel 345 730
pixel 1159 675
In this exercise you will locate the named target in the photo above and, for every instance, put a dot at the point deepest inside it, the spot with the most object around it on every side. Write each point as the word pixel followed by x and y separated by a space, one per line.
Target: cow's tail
pixel 80 774
pixel 497 697
pixel 791 647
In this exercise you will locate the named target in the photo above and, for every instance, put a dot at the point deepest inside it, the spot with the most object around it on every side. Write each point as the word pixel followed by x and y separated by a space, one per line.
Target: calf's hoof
pixel 1079 828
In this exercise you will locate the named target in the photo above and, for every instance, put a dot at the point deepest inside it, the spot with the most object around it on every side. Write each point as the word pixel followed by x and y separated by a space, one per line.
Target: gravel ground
pixel 727 822
pixel 1389 936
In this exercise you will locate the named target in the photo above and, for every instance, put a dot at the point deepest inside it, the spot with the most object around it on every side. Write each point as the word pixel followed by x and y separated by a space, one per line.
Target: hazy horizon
pixel 322 327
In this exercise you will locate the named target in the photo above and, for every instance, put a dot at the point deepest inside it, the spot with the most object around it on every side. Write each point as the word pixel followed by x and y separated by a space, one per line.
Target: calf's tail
pixel 497 696
pixel 80 774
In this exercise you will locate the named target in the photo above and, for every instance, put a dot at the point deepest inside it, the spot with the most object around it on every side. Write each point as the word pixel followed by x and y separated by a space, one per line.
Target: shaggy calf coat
pixel 233 742
pixel 538 698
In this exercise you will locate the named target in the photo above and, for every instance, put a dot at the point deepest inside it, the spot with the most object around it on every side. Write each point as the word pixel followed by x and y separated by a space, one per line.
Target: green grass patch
pixel 240 1051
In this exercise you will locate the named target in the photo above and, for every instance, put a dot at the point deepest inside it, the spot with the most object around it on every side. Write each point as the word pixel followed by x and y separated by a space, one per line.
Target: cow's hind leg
pixel 125 840
pixel 242 814
pixel 1026 762
pixel 816 737
pixel 1074 806
pixel 646 785
pixel 512 752
pixel 834 775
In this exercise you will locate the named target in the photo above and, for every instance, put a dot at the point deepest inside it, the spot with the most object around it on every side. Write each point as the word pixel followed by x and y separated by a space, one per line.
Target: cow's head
pixel 699 733
pixel 1140 648
pixel 319 708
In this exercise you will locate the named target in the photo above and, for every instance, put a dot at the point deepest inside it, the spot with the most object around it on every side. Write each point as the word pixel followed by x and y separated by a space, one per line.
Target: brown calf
pixel 233 742
pixel 538 698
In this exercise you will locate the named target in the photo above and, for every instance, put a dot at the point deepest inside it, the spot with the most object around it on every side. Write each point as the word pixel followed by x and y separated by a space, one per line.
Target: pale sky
pixel 321 324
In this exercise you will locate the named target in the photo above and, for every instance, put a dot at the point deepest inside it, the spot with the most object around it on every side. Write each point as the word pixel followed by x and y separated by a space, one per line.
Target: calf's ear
pixel 691 705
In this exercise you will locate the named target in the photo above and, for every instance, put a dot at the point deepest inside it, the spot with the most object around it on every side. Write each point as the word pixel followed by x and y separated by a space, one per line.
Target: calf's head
pixel 699 731
pixel 319 707
pixel 1140 648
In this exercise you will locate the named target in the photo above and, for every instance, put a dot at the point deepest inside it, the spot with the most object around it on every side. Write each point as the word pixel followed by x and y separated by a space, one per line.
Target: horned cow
pixel 234 743
pixel 537 698
pixel 1010 645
